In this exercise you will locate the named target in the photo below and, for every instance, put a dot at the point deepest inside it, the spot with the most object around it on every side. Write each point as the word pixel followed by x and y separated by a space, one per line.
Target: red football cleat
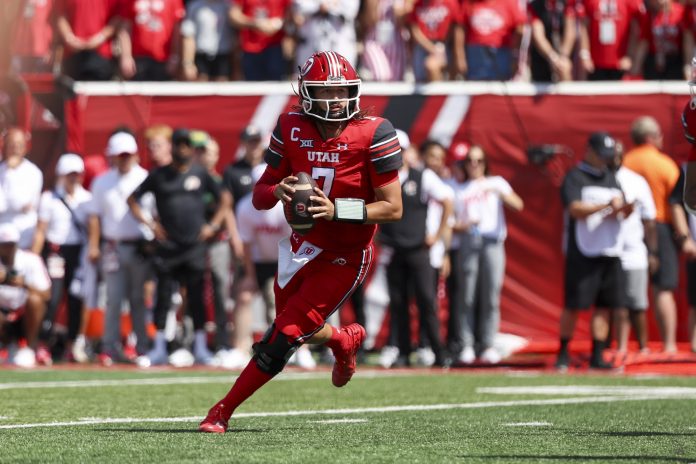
pixel 214 422
pixel 344 367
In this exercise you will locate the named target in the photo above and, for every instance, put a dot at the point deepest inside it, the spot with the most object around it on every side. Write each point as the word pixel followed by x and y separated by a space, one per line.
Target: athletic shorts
pixel 691 283
pixel 635 289
pixel 264 272
pixel 318 288
pixel 593 281
pixel 667 275
pixel 214 66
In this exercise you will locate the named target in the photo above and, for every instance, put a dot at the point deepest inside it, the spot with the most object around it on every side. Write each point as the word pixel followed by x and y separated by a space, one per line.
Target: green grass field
pixel 420 416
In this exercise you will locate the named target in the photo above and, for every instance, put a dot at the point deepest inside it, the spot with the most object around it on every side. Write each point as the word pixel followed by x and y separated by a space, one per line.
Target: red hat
pixel 458 151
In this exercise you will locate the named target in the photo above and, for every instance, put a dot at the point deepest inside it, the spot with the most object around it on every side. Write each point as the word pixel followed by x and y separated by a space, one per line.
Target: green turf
pixel 648 431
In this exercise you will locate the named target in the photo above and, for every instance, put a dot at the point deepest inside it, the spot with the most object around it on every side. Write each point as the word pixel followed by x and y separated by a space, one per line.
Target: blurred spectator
pixel 480 222
pixel 114 240
pixel 493 29
pixel 261 34
pixel 60 235
pixel 385 40
pixel 33 40
pixel 439 230
pixel 158 145
pixel 662 52
pixel 20 186
pixel 638 256
pixel 86 29
pixel 410 268
pixel 237 176
pixel 662 174
pixel 691 288
pixel 608 30
pixel 325 25
pixel 438 40
pixel 150 39
pixel 554 35
pixel 24 289
pixel 219 256
pixel 207 41
pixel 15 105
pixel 594 205
pixel 455 291
pixel 180 189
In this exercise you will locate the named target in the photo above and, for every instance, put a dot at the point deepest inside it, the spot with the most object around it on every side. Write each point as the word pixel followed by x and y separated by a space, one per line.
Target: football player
pixel 354 159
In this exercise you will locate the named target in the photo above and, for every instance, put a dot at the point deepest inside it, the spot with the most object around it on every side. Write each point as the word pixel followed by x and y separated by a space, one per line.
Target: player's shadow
pixel 187 430
pixel 567 458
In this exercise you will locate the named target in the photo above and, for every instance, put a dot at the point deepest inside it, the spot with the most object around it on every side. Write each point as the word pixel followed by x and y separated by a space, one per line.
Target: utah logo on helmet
pixel 328 69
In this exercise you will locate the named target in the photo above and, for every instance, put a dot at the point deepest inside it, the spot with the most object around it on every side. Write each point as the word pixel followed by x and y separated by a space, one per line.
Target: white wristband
pixel 350 210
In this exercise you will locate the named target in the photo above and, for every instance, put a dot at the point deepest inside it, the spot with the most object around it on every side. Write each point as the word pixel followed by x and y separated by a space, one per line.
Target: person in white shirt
pixel 114 240
pixel 60 235
pixel 20 187
pixel 24 289
pixel 260 232
pixel 639 254
pixel 325 25
pixel 480 224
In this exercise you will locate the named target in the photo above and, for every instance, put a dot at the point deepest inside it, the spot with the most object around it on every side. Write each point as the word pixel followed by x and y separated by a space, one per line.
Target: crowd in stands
pixel 387 40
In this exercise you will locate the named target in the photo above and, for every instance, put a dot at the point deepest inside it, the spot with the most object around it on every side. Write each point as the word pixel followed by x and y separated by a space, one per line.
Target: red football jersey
pixel 88 17
pixel 608 26
pixel 253 41
pixel 664 30
pixel 434 17
pixel 492 23
pixel 34 34
pixel 152 25
pixel 365 156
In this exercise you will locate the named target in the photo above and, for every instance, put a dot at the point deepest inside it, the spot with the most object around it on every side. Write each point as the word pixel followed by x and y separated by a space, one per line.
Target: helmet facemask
pixel 312 107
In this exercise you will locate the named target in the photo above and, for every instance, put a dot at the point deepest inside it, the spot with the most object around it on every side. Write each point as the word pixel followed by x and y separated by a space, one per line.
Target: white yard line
pixel 528 424
pixel 574 390
pixel 384 409
pixel 225 379
pixel 339 421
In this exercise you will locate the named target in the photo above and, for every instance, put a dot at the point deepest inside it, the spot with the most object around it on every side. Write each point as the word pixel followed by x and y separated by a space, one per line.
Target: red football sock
pixel 250 380
pixel 336 338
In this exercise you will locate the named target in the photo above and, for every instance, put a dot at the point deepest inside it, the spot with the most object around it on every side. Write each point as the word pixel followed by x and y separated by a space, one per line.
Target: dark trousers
pixel 71 255
pixel 185 265
pixel 411 270
pixel 455 293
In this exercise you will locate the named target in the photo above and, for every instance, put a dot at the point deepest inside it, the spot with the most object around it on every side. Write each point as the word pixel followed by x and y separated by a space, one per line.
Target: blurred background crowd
pixel 389 40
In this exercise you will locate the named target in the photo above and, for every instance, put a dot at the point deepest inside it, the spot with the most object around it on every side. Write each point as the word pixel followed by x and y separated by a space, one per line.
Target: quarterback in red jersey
pixel 354 159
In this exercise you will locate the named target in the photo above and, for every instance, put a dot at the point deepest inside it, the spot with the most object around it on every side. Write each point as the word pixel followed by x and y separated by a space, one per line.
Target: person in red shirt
pixel 438 39
pixel 150 40
pixel 86 29
pixel 607 27
pixel 260 24
pixel 32 44
pixel 663 53
pixel 492 33
pixel 355 160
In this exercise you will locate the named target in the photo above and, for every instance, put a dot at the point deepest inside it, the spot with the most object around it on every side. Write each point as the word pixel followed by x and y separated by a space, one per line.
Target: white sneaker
pixel 25 357
pixel 234 359
pixel 181 358
pixel 78 350
pixel 490 356
pixel 303 358
pixel 468 355
pixel 388 356
pixel 425 357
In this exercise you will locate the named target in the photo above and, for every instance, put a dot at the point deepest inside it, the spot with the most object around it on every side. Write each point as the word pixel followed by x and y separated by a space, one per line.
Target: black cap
pixel 181 135
pixel 251 132
pixel 603 144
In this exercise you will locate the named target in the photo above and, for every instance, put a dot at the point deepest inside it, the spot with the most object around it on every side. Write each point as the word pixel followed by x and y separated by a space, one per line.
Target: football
pixel 296 212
